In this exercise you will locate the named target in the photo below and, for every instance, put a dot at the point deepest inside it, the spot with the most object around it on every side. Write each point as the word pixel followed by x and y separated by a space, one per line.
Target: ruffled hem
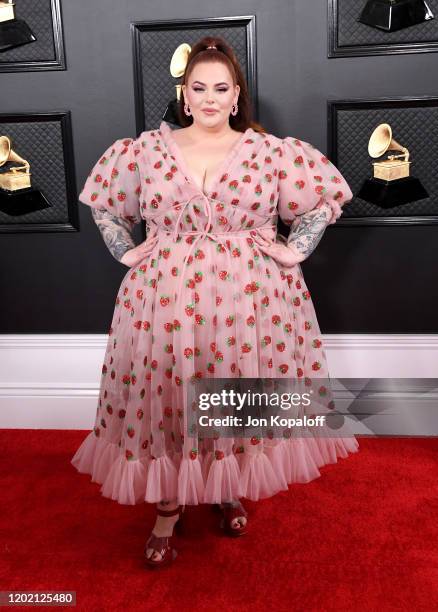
pixel 254 475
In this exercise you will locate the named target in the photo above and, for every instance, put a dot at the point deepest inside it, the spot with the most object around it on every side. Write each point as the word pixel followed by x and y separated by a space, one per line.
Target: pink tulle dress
pixel 215 296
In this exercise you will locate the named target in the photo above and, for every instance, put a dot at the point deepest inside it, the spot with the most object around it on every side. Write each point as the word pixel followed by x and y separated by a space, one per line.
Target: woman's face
pixel 210 86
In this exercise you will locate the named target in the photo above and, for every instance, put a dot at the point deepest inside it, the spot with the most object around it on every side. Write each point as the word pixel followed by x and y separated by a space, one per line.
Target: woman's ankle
pixel 232 503
pixel 164 525
pixel 168 505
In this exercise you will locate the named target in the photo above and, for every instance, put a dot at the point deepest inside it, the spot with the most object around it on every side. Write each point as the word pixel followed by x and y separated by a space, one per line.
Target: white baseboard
pixel 51 381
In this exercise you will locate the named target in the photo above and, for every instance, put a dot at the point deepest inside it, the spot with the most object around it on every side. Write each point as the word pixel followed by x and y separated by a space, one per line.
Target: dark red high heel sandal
pixel 162 544
pixel 229 514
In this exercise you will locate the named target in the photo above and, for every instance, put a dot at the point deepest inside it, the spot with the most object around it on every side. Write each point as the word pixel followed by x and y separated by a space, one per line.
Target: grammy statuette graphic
pixel 13 32
pixel 391 184
pixel 393 15
pixel 17 196
pixel 177 66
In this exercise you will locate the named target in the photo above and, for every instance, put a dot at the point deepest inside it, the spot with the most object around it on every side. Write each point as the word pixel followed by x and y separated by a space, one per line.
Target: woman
pixel 210 293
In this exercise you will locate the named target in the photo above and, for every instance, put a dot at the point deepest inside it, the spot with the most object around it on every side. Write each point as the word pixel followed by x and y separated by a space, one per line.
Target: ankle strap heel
pixel 176 510
pixel 162 545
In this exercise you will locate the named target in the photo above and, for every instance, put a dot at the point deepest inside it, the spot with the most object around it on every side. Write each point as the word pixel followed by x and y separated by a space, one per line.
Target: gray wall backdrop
pixel 362 280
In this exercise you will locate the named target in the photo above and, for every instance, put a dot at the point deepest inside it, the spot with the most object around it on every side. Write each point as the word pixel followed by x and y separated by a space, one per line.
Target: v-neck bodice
pixel 260 177
pixel 178 154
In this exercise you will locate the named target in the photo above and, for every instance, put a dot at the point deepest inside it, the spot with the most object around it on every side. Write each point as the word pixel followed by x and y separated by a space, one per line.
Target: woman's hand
pixel 137 254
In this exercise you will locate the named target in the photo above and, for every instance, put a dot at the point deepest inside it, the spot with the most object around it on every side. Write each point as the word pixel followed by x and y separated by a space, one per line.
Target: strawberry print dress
pixel 211 298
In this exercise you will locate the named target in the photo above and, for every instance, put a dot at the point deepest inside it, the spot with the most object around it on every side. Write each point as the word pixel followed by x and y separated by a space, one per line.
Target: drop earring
pixel 234 110
pixel 187 111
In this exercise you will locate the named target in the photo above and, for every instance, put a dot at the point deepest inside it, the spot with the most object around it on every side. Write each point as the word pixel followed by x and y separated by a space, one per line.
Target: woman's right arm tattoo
pixel 115 231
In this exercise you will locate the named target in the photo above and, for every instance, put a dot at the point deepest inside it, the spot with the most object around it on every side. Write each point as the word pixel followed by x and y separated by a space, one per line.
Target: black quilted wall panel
pixel 46 52
pixel 154 47
pixel 413 124
pixel 351 37
pixel 42 144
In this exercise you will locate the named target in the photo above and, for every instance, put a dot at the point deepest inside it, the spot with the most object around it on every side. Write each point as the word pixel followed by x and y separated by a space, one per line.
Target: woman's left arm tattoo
pixel 309 230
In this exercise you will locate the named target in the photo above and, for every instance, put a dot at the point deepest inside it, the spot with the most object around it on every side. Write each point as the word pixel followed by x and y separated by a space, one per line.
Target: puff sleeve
pixel 114 182
pixel 308 180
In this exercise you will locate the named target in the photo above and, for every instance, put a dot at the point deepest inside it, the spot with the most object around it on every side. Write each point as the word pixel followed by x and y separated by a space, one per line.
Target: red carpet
pixel 363 536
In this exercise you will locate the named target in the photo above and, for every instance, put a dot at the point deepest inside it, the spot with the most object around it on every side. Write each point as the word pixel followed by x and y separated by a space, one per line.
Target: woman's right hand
pixel 134 256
